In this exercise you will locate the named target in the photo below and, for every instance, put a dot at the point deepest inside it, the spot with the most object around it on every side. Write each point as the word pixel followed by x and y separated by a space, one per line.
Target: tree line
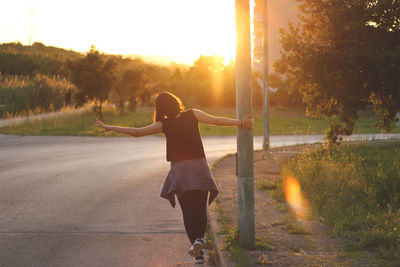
pixel 129 82
pixel 122 81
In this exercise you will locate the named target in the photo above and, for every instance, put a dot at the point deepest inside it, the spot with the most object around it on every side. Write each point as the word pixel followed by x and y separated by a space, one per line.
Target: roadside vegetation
pixel 25 95
pixel 355 188
pixel 70 123
pixel 40 79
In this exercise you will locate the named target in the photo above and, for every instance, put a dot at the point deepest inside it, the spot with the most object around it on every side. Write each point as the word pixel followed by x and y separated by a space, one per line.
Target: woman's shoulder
pixel 189 113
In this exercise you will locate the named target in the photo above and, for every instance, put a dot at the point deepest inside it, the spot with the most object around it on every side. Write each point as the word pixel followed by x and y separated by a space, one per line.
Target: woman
pixel 190 178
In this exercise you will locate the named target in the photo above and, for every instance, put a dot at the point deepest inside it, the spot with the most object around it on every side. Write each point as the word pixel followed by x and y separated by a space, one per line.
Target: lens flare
pixel 294 197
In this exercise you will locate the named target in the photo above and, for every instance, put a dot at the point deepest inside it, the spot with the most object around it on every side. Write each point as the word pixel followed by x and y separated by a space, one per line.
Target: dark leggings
pixel 194 204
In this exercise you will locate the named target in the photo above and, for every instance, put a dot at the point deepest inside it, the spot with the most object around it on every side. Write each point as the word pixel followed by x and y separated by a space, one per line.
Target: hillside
pixel 17 59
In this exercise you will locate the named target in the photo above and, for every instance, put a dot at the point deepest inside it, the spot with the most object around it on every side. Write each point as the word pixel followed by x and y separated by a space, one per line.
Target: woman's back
pixel 183 137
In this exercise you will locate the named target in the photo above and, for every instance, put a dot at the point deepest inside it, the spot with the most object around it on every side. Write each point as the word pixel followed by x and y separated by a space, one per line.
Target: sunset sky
pixel 178 29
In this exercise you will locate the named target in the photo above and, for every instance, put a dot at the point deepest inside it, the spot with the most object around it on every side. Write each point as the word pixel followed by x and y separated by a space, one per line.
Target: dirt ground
pixel 313 245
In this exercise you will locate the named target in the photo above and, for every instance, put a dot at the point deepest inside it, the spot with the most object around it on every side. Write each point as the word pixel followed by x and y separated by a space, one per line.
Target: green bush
pixel 20 94
pixel 356 188
pixel 13 100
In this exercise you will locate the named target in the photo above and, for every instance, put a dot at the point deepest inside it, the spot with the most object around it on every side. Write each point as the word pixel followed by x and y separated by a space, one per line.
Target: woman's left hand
pixel 100 124
pixel 247 122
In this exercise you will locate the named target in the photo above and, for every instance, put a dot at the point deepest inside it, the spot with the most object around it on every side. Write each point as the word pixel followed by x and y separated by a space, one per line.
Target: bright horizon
pixel 162 31
pixel 177 29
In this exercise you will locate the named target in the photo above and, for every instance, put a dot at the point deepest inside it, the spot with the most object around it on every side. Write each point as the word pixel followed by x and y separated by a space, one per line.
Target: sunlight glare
pixel 294 197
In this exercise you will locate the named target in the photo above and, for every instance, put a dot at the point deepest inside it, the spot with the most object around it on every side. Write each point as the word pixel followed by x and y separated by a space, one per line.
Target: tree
pixel 343 56
pixel 283 95
pixel 229 85
pixel 94 76
pixel 133 81
pixel 204 80
pixel 119 94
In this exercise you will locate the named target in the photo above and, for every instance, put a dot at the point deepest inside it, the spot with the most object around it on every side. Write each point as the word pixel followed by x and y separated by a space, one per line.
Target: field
pixel 283 121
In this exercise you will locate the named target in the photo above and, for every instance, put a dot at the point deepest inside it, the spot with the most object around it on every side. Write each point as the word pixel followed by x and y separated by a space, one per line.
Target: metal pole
pixel 245 189
pixel 266 85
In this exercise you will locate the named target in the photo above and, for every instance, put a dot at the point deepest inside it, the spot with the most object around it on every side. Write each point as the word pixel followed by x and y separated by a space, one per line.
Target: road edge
pixel 223 258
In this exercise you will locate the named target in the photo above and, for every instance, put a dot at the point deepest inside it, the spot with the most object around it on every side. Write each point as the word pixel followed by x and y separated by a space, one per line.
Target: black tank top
pixel 183 137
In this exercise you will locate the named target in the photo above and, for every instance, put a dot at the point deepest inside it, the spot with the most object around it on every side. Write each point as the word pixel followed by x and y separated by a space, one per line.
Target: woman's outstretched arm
pixel 246 122
pixel 136 132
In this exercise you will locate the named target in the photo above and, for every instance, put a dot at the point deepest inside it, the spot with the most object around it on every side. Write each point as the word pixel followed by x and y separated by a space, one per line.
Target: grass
pixel 296 229
pixel 209 245
pixel 289 225
pixel 263 245
pixel 282 122
pixel 266 185
pixel 355 188
pixel 79 124
pixel 230 235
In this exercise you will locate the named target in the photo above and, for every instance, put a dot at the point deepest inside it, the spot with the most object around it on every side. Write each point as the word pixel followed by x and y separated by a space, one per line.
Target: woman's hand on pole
pixel 247 122
pixel 100 124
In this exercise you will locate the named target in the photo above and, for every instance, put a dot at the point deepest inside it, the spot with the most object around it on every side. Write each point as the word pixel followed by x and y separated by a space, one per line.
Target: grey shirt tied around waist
pixel 186 175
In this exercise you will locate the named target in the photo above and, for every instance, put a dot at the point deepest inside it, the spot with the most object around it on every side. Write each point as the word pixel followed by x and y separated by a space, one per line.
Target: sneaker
pixel 200 258
pixel 195 249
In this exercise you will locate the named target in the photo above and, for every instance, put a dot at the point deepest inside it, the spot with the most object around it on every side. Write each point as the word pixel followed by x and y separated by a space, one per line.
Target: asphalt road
pixel 93 201
pixel 84 201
